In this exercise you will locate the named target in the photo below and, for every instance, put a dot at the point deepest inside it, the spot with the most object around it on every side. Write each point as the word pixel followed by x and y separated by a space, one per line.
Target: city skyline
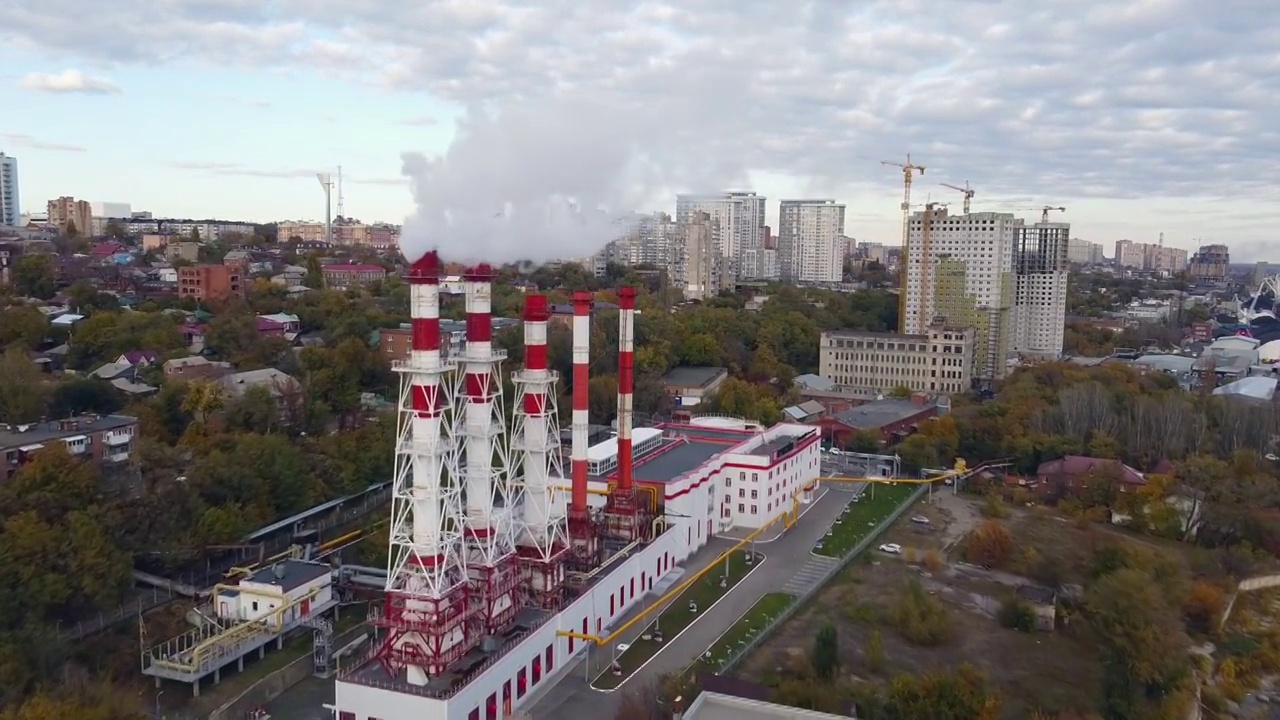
pixel 233 119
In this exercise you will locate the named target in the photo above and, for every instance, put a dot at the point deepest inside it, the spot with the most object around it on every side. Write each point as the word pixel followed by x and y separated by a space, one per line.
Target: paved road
pixel 573 699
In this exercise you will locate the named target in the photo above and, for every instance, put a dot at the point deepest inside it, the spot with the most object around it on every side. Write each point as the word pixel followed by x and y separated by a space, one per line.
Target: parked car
pixel 920 520
pixel 891 548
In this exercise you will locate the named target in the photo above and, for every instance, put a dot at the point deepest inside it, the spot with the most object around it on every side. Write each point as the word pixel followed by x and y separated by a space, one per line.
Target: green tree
pixel 825 654
pixel 34 276
pixel 114 230
pixel 962 695
pixel 23 324
pixel 314 277
pixel 23 395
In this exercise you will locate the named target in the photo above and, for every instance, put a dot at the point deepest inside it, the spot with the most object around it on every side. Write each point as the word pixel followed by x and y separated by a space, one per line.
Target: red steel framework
pixel 427 613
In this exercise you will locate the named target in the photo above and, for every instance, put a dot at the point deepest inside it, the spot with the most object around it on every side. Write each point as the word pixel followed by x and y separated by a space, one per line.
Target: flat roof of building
pixel 687 376
pixel 13 435
pixel 676 458
pixel 714 706
pixel 878 414
pixel 609 448
pixel 290 574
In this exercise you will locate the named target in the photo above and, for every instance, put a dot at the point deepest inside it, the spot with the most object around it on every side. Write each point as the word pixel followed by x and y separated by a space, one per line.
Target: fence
pixel 126 611
pixel 732 662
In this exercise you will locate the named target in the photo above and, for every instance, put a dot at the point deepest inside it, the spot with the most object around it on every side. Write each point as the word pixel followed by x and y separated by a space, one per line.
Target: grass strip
pixel 862 517
pixel 754 621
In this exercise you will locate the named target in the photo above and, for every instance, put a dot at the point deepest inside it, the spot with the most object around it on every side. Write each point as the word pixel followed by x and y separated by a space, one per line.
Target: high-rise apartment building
pixel 1150 257
pixel 69 214
pixel 10 212
pixel 966 280
pixel 811 241
pixel 1083 252
pixel 1210 262
pixel 1040 288
pixel 696 267
pixel 739 222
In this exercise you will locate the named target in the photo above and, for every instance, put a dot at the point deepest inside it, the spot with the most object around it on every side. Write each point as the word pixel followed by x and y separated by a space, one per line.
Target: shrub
pixel 875 655
pixel 993 506
pixel 920 619
pixel 1203 607
pixel 933 561
pixel 989 545
pixel 825 655
pixel 1017 615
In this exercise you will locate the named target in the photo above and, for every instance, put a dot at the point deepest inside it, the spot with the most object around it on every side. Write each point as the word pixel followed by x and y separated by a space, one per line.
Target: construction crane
pixel 908 171
pixel 968 193
pixel 1044 212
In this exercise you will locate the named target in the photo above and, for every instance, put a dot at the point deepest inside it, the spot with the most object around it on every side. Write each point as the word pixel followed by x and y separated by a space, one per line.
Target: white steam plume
pixel 555 180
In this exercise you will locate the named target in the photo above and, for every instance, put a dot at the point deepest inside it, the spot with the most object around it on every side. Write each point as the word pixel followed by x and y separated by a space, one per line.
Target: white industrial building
pixel 811 242
pixel 712 476
pixel 279 595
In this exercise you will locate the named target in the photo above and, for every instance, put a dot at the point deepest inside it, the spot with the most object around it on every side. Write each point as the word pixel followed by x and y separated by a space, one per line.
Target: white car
pixel 891 548
pixel 920 520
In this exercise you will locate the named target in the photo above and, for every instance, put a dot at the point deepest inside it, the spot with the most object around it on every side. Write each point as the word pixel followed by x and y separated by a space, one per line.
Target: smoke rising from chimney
pixel 557 179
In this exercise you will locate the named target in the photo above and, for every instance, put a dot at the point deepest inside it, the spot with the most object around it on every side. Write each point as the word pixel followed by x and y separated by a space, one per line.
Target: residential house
pixel 394 343
pixel 114 370
pixel 185 251
pixel 105 250
pixel 281 386
pixel 196 367
pixel 689 386
pixel 806 412
pixel 105 439
pixel 210 283
pixel 290 276
pixel 1074 474
pixel 139 358
pixel 288 321
pixel 349 275
pixel 269 328
pixel 891 420
pixel 238 259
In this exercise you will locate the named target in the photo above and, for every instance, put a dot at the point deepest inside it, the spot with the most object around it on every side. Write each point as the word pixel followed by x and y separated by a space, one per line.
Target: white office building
pixel 10 212
pixel 102 209
pixel 965 278
pixel 811 242
pixel 1040 297
pixel 739 223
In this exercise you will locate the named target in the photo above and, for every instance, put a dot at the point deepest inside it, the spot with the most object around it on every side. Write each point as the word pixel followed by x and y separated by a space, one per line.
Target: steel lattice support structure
pixel 427 611
pixel 582 532
pixel 622 512
pixel 484 462
pixel 542 539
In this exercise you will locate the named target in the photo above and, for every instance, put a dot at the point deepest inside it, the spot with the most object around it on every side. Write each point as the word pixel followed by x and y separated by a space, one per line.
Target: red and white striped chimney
pixel 535 408
pixel 581 381
pixel 427 399
pixel 479 392
pixel 626 383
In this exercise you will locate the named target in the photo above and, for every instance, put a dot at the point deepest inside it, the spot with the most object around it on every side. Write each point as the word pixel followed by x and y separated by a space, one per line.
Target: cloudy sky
pixel 1140 117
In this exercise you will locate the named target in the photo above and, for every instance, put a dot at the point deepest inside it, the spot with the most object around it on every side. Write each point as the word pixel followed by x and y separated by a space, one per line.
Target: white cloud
pixel 28 141
pixel 69 82
pixel 237 169
pixel 1064 100
pixel 420 121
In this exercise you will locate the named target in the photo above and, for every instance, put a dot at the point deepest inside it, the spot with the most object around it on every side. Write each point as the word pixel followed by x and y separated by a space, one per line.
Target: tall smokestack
pixel 626 384
pixel 479 391
pixel 427 400
pixel 581 381
pixel 535 407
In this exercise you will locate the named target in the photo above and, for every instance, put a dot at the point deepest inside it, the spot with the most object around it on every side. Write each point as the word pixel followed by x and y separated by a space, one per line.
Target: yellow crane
pixel 908 172
pixel 968 193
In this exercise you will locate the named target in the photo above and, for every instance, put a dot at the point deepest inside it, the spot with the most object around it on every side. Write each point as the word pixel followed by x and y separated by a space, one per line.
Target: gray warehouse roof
pixel 879 414
pixel 36 433
pixel 692 377
pixel 290 574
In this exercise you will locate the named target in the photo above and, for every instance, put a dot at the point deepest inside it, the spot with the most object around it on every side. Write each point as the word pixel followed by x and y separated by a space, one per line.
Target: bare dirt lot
pixel 1049 671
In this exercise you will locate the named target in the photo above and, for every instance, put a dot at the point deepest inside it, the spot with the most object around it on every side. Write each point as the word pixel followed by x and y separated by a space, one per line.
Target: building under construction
pixel 497 553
